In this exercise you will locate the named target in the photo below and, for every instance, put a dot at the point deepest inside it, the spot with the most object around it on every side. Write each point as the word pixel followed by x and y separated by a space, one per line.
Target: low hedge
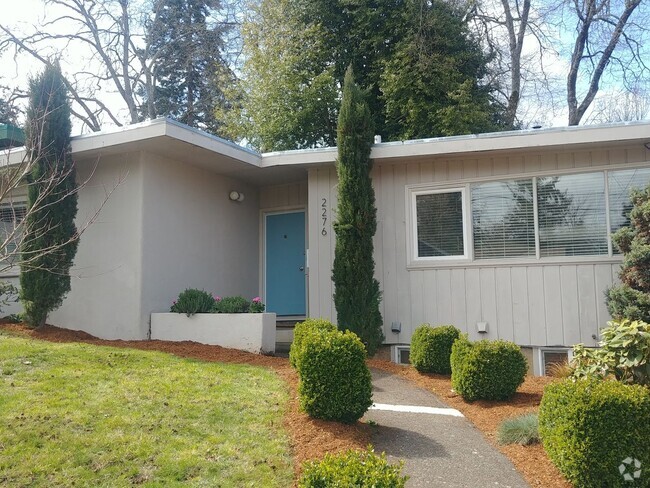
pixel 335 383
pixel 300 330
pixel 352 468
pixel 487 370
pixel 431 348
pixel 591 428
pixel 193 301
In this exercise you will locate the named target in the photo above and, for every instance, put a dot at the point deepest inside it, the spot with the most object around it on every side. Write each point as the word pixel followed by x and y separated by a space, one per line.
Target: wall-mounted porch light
pixel 236 196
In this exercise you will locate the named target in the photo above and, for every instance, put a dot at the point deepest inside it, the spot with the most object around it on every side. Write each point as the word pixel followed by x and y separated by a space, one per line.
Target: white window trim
pixel 412 195
pixel 415 262
pixel 13 270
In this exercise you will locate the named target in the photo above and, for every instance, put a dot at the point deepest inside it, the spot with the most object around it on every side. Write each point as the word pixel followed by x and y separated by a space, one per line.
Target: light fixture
pixel 236 196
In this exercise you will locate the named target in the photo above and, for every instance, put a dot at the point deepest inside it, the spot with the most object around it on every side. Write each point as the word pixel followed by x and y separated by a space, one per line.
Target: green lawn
pixel 82 415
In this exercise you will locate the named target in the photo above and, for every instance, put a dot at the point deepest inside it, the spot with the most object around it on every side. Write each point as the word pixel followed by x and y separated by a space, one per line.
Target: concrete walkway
pixel 438 445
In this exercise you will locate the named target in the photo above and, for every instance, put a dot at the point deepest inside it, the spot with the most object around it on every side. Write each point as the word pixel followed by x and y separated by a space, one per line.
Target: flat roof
pixel 178 141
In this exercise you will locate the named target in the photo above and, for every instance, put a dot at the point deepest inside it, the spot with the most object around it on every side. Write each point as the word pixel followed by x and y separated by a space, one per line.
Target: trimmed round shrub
pixel 335 382
pixel 590 428
pixel 352 468
pixel 193 301
pixel 300 330
pixel 235 304
pixel 431 348
pixel 487 370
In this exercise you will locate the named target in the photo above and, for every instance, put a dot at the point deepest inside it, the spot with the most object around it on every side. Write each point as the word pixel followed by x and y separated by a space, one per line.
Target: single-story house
pixel 504 235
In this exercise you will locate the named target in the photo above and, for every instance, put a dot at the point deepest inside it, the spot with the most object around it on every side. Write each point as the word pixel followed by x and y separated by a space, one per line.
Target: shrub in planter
pixel 299 332
pixel 352 468
pixel 487 370
pixel 193 301
pixel 236 304
pixel 431 348
pixel 335 382
pixel 591 428
pixel 256 305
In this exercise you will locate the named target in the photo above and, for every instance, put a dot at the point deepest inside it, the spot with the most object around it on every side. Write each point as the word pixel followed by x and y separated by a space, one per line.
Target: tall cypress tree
pixel 357 293
pixel 50 241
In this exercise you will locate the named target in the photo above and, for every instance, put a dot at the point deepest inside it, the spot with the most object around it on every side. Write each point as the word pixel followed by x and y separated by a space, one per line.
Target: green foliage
pixel 423 70
pixel 335 382
pixel 257 306
pixel 352 468
pixel 624 353
pixel 589 427
pixel 300 331
pixel 487 370
pixel 631 299
pixel 193 301
pixel 190 67
pixel 431 348
pixel 522 430
pixel 50 236
pixel 431 84
pixel 237 304
pixel 357 293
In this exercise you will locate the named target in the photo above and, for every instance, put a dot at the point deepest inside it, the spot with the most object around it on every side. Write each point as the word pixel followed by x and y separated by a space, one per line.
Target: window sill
pixel 508 263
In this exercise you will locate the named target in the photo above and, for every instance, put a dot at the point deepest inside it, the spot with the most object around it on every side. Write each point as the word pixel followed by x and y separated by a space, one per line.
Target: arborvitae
pixel 631 299
pixel 357 293
pixel 50 241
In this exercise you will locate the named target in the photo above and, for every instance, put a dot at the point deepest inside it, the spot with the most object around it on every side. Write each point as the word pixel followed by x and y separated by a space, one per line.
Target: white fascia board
pixel 496 141
pixel 162 127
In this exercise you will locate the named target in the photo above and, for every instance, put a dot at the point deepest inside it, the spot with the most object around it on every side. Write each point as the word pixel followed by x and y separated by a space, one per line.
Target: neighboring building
pixel 506 232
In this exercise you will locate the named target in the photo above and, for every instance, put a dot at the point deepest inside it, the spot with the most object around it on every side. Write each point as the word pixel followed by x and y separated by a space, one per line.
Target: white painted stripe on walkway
pixel 415 409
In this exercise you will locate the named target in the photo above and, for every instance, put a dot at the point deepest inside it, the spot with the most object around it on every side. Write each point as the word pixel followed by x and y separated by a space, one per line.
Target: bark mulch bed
pixel 309 438
pixel 531 461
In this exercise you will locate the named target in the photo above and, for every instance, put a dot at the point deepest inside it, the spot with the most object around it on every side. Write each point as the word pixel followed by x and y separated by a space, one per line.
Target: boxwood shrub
pixel 589 428
pixel 352 468
pixel 431 348
pixel 300 330
pixel 487 370
pixel 335 382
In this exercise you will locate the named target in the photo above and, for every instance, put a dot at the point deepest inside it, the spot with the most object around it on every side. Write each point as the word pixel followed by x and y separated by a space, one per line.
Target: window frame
pixel 12 270
pixel 413 261
pixel 412 195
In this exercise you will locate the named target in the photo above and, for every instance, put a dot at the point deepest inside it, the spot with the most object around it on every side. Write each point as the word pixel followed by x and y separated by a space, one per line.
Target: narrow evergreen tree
pixel 631 299
pixel 357 293
pixel 50 241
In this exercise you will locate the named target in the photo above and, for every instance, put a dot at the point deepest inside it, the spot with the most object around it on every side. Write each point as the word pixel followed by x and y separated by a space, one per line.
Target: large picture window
pixel 569 215
pixel 440 224
pixel 503 220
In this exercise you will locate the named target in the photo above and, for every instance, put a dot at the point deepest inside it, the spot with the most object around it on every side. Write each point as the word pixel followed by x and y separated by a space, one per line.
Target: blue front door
pixel 285 263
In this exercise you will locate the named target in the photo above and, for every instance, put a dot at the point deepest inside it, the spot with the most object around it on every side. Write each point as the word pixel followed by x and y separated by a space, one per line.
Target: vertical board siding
pixel 283 196
pixel 532 304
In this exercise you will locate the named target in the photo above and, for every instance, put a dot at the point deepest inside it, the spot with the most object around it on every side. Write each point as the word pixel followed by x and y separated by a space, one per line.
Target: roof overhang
pixel 534 140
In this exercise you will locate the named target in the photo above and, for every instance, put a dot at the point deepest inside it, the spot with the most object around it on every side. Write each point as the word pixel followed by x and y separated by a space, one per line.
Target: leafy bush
pixel 487 370
pixel 624 354
pixel 522 430
pixel 236 304
pixel 335 382
pixel 193 301
pixel 589 427
pixel 350 469
pixel 431 348
pixel 256 305
pixel 300 330
pixel 631 298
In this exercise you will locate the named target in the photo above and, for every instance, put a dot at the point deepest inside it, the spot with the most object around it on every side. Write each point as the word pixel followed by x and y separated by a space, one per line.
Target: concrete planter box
pixel 253 332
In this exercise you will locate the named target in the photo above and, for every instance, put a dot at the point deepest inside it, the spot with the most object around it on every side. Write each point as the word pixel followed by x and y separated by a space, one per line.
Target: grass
pixel 519 430
pixel 75 414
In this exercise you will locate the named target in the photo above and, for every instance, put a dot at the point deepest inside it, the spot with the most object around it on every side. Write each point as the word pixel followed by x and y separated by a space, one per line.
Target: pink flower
pixel 216 298
pixel 174 302
pixel 257 300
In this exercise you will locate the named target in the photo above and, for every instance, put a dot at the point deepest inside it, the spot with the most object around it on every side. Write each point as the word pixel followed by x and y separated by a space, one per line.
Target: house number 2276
pixel 323 206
